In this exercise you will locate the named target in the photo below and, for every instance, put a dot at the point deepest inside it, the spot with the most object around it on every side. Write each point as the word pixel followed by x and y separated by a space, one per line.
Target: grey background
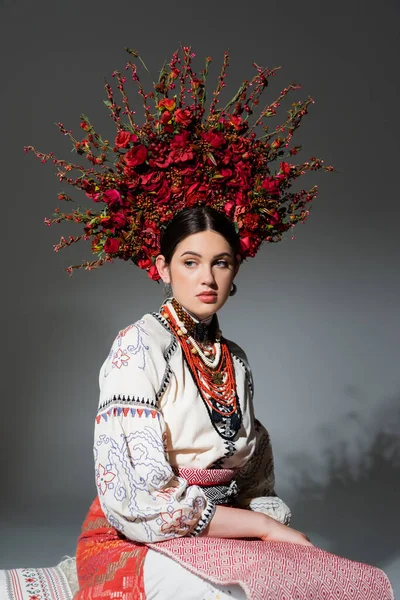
pixel 317 315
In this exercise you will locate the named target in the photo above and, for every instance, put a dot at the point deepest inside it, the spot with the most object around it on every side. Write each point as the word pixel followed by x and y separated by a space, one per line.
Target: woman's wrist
pixel 230 522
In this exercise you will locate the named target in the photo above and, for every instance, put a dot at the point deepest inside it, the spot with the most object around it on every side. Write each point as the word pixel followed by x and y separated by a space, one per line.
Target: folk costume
pixel 169 447
pixel 175 431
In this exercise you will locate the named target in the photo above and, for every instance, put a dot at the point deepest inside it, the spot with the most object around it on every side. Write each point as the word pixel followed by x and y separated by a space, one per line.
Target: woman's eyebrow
pixel 199 255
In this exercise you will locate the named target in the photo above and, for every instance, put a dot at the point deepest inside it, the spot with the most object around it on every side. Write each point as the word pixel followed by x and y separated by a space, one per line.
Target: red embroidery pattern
pixel 103 478
pixel 37 584
pixel 123 332
pixel 205 476
pixel 120 359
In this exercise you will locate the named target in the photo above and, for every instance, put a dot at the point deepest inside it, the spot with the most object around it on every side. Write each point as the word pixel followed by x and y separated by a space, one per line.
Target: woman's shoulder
pixel 237 352
pixel 151 330
pixel 139 351
pixel 240 356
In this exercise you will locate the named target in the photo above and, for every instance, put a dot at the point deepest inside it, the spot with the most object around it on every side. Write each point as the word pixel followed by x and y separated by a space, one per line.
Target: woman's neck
pixel 205 321
pixel 201 329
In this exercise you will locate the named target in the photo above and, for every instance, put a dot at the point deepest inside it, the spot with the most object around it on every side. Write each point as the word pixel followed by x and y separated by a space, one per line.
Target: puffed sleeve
pixel 256 480
pixel 138 491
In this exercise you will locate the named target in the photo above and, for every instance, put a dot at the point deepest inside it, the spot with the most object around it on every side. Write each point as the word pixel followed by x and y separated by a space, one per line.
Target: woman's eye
pixel 224 263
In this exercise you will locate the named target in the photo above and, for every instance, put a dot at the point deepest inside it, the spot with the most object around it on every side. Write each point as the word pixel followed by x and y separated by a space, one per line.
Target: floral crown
pixel 184 156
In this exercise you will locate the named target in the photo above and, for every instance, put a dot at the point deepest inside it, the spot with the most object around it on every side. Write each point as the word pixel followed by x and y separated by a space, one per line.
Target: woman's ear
pixel 163 268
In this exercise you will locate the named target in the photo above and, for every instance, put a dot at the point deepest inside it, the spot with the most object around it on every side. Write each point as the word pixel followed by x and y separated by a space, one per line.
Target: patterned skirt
pixel 111 566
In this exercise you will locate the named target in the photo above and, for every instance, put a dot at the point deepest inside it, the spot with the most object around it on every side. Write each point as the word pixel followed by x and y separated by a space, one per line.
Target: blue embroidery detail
pixel 128 455
pixel 120 355
pixel 103 439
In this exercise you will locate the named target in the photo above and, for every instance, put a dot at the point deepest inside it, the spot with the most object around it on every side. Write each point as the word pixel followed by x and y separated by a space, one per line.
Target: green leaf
pixel 211 157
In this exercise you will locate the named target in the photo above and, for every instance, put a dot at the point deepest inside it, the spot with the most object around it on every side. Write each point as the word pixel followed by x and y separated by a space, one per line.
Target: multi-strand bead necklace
pixel 210 363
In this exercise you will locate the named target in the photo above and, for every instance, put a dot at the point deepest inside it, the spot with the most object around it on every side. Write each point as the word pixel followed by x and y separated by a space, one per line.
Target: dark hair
pixel 194 220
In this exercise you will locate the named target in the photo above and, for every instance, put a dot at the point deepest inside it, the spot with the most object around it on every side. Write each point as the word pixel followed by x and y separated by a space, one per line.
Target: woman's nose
pixel 208 275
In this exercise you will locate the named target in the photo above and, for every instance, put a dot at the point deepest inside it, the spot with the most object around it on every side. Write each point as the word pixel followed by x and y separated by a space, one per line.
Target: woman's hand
pixel 229 522
pixel 276 532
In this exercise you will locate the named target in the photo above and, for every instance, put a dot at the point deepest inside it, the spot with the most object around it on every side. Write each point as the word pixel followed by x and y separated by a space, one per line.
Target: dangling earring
pixel 233 289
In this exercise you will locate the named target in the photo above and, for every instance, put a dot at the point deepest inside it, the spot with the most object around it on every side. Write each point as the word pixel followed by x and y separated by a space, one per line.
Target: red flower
pixel 124 138
pixel 241 176
pixel 167 103
pixel 183 117
pixel 112 197
pixel 153 273
pixel 239 147
pixel 182 155
pixel 285 168
pixel 119 219
pixel 166 118
pixel 95 197
pixel 144 263
pixel 189 168
pixel 242 198
pixel 270 185
pixel 237 122
pixel 274 217
pixel 180 140
pixel 168 128
pixel 251 221
pixel 151 181
pixel 225 173
pixel 136 156
pixel 106 223
pixel 163 162
pixel 249 245
pixel 237 215
pixel 239 150
pixel 156 183
pixel 280 177
pixel 111 246
pixel 245 243
pixel 228 207
pixel 151 226
pixel 195 192
pixel 133 177
pixel 214 138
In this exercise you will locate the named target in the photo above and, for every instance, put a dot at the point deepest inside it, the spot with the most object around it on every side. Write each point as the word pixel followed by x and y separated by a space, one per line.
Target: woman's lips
pixel 208 298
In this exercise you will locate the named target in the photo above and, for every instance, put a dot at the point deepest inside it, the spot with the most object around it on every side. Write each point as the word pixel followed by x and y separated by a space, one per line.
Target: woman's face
pixel 202 262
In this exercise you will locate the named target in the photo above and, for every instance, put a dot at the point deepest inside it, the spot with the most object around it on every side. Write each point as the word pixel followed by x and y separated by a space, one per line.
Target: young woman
pixel 186 506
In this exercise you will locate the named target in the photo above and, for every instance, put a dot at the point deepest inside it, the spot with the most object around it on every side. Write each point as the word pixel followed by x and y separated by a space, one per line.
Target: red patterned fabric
pixel 206 477
pixel 110 565
pixel 277 570
pixel 107 562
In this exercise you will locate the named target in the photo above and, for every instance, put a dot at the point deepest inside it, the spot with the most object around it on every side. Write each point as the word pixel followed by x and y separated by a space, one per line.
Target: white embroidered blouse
pixel 152 420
